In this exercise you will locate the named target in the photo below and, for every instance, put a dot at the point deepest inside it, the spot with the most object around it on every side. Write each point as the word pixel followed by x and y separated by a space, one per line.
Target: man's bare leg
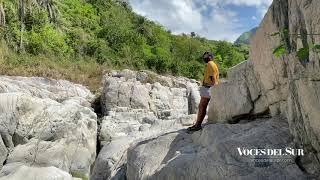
pixel 202 111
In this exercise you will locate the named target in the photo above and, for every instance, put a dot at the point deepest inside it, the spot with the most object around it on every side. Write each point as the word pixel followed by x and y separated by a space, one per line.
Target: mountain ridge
pixel 245 37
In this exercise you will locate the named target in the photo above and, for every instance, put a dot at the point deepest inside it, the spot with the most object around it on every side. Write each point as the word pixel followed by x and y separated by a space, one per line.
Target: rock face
pixel 240 96
pixel 213 154
pixel 45 125
pixel 58 90
pixel 137 106
pixel 285 86
pixel 166 97
pixel 290 85
pixel 20 171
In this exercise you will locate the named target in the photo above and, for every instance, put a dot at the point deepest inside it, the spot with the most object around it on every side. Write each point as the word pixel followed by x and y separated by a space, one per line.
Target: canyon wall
pixel 291 85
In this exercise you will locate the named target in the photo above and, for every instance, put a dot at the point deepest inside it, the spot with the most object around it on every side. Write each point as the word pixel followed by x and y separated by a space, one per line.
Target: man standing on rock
pixel 211 78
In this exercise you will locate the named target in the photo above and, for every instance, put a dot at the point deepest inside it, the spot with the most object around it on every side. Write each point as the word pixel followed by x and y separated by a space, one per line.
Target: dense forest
pixel 79 40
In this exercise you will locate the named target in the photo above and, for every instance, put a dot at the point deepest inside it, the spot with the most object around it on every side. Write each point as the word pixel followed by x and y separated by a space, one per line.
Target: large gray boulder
pixel 194 97
pixel 20 171
pixel 120 124
pixel 58 90
pixel 240 96
pixel 111 161
pixel 138 106
pixel 213 154
pixel 167 97
pixel 140 97
pixel 229 102
pixel 244 73
pixel 42 125
pixel 120 131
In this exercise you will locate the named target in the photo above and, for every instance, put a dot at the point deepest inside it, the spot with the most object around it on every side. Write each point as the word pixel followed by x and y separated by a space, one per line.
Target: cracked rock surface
pixel 47 127
pixel 138 106
pixel 212 153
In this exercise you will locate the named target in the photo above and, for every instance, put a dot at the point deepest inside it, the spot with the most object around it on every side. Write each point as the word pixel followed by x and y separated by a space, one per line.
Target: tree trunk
pixel 22 17
pixel 48 5
pixel 2 15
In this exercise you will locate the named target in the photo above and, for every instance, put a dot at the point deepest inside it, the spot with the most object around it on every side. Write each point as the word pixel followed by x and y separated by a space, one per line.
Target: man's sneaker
pixel 194 128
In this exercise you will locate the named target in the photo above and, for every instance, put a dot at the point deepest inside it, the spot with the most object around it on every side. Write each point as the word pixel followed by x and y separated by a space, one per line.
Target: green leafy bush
pixel 108 34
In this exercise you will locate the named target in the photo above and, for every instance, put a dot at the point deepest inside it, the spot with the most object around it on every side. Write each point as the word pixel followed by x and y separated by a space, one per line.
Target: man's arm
pixel 213 80
pixel 215 73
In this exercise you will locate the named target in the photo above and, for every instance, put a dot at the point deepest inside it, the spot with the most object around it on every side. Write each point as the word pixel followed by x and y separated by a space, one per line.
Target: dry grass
pixel 85 72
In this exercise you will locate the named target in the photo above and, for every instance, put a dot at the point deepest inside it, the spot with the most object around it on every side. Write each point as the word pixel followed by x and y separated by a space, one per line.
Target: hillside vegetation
pixel 79 40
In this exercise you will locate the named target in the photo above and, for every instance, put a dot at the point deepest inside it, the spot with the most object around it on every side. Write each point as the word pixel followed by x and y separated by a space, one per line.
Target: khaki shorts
pixel 205 92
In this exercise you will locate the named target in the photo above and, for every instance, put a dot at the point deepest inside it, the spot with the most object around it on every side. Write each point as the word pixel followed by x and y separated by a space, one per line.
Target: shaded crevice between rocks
pixel 299 164
pixel 280 16
pixel 303 35
pixel 7 155
pixel 97 107
pixel 190 108
pixel 250 117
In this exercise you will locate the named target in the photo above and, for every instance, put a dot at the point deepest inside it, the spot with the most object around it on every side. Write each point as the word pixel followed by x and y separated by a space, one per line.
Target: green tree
pixel 104 34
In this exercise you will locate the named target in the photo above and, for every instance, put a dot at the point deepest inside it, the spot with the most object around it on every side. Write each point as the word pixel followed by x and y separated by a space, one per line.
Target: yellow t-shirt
pixel 211 70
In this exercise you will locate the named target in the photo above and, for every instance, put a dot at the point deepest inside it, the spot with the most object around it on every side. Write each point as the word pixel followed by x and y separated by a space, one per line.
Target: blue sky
pixel 213 19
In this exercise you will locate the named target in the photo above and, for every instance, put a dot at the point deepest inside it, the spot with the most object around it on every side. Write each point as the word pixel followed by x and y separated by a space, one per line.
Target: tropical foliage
pixel 71 35
pixel 302 53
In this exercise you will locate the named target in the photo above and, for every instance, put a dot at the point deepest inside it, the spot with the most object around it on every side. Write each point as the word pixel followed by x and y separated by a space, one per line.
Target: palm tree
pixel 49 6
pixel 193 34
pixel 22 10
pixel 26 6
pixel 2 14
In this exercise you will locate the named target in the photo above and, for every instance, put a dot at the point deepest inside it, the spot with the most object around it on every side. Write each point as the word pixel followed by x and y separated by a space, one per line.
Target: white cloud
pixel 221 25
pixel 185 16
pixel 254 18
pixel 176 15
pixel 261 5
pixel 257 3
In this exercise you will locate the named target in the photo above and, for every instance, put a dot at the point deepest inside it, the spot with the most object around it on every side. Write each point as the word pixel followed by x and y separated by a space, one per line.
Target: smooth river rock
pixel 213 154
pixel 45 125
